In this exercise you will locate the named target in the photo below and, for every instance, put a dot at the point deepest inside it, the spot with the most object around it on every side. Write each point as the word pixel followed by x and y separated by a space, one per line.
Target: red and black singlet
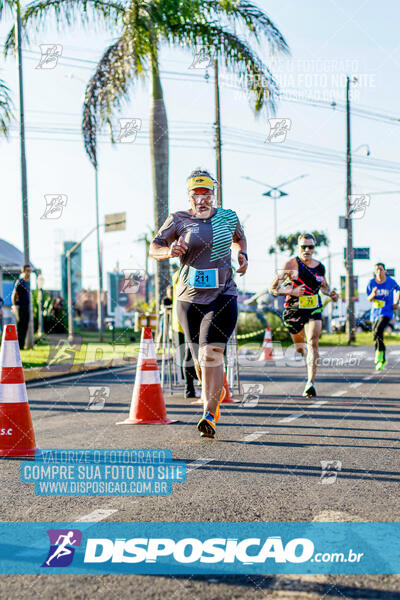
pixel 311 278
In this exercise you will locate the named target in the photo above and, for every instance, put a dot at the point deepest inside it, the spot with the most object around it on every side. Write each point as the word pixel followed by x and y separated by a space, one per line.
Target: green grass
pixel 39 356
pixel 362 339
pixel 87 348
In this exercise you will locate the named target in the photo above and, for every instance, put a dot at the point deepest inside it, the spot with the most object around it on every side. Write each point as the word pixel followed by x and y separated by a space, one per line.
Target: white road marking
pixel 253 436
pixel 55 380
pixel 367 377
pixel 318 403
pixel 339 393
pixel 291 417
pixel 356 384
pixel 196 464
pixel 97 515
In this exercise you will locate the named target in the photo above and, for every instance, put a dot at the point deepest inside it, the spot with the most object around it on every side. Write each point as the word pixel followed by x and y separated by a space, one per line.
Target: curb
pixel 38 373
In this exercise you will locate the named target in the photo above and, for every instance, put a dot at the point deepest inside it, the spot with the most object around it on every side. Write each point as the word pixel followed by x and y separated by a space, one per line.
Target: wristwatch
pixel 244 254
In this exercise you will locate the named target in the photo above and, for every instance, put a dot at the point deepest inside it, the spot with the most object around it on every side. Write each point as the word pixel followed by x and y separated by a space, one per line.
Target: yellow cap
pixel 200 182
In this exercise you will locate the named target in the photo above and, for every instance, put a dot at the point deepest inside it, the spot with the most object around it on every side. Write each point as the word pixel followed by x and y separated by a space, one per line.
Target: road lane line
pixel 291 417
pixel 196 464
pixel 54 380
pixel 356 384
pixel 97 515
pixel 253 436
pixel 339 393
pixel 318 403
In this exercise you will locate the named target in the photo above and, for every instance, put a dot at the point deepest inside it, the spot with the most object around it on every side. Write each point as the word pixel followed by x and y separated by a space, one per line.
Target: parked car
pixel 364 323
pixel 338 325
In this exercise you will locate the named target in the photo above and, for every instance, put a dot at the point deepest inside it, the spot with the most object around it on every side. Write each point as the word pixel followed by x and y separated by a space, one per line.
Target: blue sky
pixel 327 40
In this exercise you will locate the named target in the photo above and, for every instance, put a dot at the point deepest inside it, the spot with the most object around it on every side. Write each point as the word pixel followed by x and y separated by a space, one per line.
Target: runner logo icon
pixel 62 542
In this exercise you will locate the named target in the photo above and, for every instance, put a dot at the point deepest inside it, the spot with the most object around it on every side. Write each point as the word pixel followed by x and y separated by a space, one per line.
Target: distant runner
pixel 299 281
pixel 202 237
pixel 380 292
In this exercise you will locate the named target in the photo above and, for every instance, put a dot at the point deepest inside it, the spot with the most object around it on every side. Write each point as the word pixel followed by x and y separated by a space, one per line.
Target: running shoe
pixel 381 365
pixel 309 391
pixel 221 399
pixel 378 356
pixel 207 425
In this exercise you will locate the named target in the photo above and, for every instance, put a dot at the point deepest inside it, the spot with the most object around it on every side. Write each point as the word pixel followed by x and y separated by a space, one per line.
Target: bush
pixel 54 320
pixel 249 322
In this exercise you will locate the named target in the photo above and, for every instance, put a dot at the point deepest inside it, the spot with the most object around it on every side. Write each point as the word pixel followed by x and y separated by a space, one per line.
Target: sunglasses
pixel 199 197
pixel 305 247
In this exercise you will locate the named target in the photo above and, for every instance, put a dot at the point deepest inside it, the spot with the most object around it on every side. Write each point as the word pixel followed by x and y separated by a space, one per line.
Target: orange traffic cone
pixel 267 352
pixel 17 437
pixel 148 405
pixel 228 398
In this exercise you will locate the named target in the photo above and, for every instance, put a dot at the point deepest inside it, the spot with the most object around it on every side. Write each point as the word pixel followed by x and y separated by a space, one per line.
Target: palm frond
pixel 236 54
pixel 6 4
pixel 108 87
pixel 253 18
pixel 68 12
pixel 6 106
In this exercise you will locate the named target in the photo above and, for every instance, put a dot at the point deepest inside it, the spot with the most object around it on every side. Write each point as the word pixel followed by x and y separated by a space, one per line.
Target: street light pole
pixel 350 322
pixel 99 261
pixel 40 284
pixel 69 282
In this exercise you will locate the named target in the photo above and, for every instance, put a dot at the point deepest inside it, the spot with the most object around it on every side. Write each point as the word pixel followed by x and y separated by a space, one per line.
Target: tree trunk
pixel 160 163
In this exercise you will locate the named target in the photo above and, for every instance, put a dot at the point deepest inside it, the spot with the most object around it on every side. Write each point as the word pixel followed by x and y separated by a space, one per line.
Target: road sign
pixel 123 299
pixel 115 222
pixel 343 287
pixel 391 272
pixel 342 223
pixel 358 253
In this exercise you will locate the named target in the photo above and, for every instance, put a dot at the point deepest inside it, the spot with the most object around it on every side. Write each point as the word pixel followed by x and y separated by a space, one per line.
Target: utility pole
pixel 350 321
pixel 218 135
pixel 29 343
pixel 24 185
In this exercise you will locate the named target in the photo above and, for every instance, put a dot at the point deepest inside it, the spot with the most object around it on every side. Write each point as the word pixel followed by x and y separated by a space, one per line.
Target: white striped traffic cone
pixel 267 351
pixel 17 437
pixel 147 405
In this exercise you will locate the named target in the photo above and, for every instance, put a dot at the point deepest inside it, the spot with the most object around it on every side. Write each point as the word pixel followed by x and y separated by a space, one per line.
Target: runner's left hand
pixel 243 265
pixel 334 295
pixel 395 306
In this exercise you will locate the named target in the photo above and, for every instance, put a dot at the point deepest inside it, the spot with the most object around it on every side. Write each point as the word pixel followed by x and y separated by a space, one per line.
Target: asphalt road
pixel 264 465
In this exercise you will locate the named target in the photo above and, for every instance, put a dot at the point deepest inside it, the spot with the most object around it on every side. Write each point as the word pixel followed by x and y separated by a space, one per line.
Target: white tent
pixel 11 259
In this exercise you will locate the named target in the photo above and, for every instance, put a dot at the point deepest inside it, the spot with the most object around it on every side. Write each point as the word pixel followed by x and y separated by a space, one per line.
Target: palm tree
pixel 6 104
pixel 145 25
pixel 187 24
pixel 5 109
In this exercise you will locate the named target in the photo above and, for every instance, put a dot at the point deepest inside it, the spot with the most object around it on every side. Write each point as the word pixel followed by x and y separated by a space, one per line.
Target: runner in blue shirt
pixel 380 292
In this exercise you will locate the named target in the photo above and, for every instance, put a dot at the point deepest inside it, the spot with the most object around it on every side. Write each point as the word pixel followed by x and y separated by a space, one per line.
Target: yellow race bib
pixel 378 303
pixel 308 301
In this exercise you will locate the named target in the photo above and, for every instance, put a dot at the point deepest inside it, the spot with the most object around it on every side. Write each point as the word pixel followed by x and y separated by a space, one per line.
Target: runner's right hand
pixel 177 248
pixel 374 290
pixel 298 291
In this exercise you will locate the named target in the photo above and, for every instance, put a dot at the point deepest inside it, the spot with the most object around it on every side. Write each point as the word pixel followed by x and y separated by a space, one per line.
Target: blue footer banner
pixel 199 548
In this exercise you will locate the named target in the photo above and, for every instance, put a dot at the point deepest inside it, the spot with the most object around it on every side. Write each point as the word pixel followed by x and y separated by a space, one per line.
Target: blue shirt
pixel 23 289
pixel 382 305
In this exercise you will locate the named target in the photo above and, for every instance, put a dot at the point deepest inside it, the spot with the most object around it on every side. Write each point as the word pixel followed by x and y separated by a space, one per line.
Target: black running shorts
pixel 211 323
pixel 295 318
